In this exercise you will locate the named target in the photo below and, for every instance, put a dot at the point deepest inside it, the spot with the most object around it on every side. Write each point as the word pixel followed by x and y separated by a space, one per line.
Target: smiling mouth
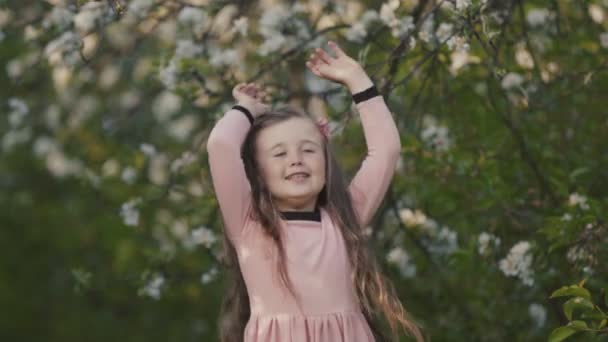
pixel 298 176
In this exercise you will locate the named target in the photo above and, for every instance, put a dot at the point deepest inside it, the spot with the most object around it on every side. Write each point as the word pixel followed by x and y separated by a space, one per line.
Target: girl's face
pixel 291 159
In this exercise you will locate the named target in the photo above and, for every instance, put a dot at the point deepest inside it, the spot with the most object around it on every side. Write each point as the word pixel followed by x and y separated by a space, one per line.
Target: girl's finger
pixel 323 56
pixel 336 49
pixel 314 69
pixel 312 59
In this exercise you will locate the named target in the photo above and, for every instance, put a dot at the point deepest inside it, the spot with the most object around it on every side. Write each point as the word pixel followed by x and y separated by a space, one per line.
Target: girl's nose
pixel 295 159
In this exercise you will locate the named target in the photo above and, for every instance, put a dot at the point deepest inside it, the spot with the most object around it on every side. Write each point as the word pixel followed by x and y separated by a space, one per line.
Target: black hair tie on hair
pixel 244 110
pixel 366 94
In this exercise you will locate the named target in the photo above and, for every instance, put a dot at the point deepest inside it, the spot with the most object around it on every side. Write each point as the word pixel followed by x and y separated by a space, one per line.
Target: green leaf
pixel 582 282
pixel 561 334
pixel 603 324
pixel 362 56
pixel 578 325
pixel 578 172
pixel 572 290
pixel 593 315
pixel 606 296
pixel 577 303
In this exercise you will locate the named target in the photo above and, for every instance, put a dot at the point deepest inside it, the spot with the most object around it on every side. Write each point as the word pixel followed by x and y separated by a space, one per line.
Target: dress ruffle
pixel 332 327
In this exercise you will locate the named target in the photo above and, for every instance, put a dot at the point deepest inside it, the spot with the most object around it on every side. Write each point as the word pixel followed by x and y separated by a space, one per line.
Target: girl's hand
pixel 342 68
pixel 252 97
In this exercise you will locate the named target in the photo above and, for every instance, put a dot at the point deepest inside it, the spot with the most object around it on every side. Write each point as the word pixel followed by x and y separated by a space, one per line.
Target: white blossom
pixel 108 76
pixel 31 33
pixel 195 188
pixel 140 7
pixel 356 32
pixel 15 137
pixel 458 43
pixel 194 17
pixel 44 145
pixel 387 14
pixel 165 105
pixel 523 57
pixel 444 242
pixel 63 50
pixel 426 29
pixel 271 21
pixel 158 169
pixel 596 13
pixel 186 48
pixel 538 313
pixel 60 165
pixel 110 168
pixel 168 75
pixel 412 218
pixel 15 68
pixel 147 149
pixel 201 236
pixel 181 128
pixel 462 5
pixel 399 26
pixel 128 175
pixel 460 59
pixel 187 158
pixel 129 212
pixel 90 15
pixel 219 57
pixel 240 25
pixel 588 270
pixel 511 80
pixel 518 263
pixel 209 276
pixel 129 99
pixel 399 257
pixel 484 240
pixel 402 26
pixel 538 16
pixel 604 40
pixel 18 110
pixel 580 200
pixel 153 287
pixel 5 16
pixel 577 253
pixel 435 135
pixel 444 31
pixel 59 17
pixel 271 44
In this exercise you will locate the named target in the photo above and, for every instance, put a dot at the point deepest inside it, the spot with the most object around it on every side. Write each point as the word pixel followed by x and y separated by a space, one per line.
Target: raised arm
pixel 371 181
pixel 230 182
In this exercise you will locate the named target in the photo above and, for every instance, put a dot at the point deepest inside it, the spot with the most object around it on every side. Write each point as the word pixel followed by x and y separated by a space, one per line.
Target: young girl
pixel 293 226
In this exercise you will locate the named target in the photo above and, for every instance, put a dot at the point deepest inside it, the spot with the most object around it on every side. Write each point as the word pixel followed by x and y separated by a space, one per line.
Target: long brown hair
pixel 375 293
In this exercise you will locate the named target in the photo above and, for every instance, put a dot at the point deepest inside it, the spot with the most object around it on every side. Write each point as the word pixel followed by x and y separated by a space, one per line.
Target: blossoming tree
pixel 497 208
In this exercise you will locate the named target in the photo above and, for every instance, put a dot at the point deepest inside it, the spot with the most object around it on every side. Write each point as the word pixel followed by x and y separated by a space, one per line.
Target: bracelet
pixel 245 111
pixel 366 94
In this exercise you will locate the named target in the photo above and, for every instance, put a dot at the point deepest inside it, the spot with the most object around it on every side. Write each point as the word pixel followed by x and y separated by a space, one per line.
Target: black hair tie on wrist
pixel 245 111
pixel 366 94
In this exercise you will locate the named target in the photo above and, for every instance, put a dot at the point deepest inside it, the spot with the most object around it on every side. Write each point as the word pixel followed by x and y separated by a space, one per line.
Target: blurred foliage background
pixel 109 228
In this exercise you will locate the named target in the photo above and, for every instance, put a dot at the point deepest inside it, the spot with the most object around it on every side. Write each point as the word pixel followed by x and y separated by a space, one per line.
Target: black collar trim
pixel 302 215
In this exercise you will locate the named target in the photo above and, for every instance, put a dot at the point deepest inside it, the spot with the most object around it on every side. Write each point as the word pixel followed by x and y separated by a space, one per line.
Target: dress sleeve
pixel 368 187
pixel 230 183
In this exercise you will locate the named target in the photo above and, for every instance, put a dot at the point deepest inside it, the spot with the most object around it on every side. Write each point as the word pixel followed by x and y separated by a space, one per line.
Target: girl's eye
pixel 279 154
pixel 309 150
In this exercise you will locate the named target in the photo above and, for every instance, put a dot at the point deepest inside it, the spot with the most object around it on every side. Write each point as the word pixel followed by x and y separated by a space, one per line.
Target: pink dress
pixel 317 261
